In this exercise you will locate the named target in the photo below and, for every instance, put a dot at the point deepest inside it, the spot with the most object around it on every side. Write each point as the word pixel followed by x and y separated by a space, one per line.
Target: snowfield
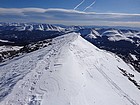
pixel 71 71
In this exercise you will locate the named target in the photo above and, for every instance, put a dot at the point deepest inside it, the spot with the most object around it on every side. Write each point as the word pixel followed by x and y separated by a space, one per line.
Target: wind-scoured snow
pixel 71 71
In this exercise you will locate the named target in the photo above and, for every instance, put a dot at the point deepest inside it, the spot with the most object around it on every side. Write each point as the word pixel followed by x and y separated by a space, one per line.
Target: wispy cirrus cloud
pixel 79 4
pixel 69 17
pixel 90 5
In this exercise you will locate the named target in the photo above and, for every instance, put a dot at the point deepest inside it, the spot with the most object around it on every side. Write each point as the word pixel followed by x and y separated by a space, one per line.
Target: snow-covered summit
pixel 71 71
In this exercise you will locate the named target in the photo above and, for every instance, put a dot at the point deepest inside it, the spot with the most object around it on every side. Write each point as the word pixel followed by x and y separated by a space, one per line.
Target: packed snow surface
pixel 71 71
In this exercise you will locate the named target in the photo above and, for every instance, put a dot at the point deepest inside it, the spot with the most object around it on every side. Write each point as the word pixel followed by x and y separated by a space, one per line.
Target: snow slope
pixel 71 71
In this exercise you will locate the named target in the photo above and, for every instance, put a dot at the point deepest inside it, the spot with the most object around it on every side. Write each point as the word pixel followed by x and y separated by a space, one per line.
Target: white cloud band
pixel 65 16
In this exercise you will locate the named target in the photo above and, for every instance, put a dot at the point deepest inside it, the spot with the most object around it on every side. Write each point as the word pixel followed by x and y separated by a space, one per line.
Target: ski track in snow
pixel 64 73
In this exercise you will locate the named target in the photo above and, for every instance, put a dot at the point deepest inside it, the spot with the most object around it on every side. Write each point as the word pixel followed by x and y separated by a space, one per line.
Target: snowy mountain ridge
pixel 71 71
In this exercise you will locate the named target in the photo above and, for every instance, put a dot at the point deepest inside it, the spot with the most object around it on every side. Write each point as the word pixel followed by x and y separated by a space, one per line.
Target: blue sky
pixel 103 12
pixel 121 6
